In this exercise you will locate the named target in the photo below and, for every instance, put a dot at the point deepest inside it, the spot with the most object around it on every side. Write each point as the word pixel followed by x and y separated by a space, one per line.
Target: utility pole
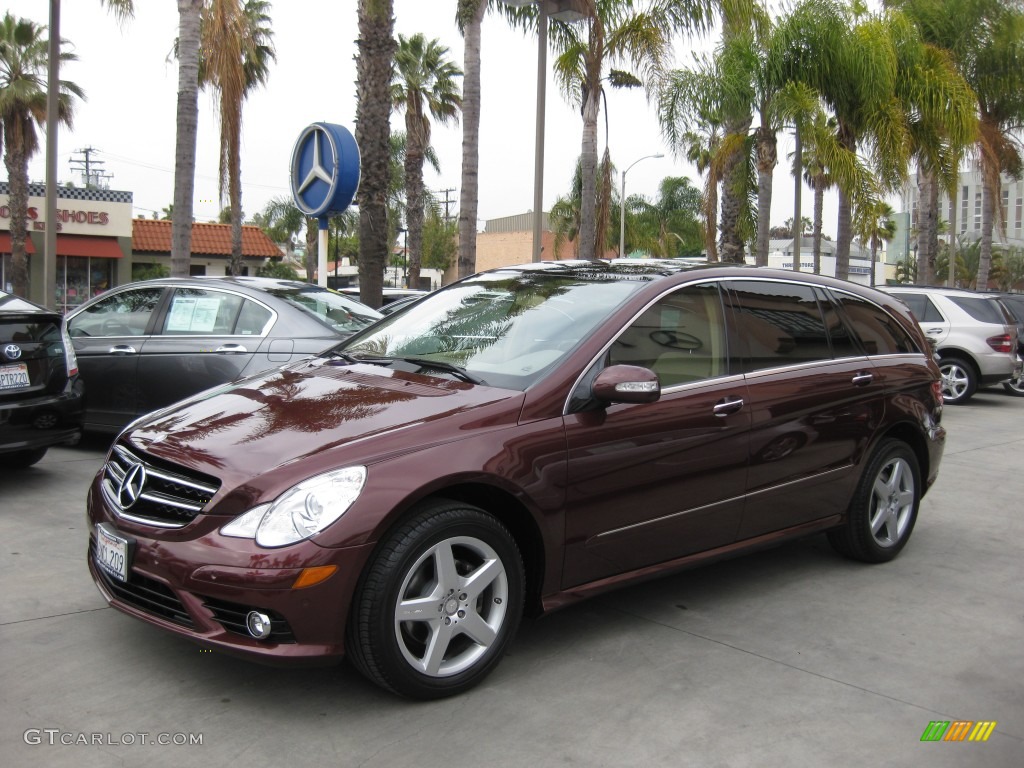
pixel 448 202
pixel 93 176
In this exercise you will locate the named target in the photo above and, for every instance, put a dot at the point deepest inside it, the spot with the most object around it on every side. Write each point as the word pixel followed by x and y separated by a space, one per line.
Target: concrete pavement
pixel 789 657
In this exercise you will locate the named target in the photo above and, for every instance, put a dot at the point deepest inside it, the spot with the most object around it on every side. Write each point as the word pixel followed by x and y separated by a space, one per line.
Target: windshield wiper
pixel 440 365
pixel 437 365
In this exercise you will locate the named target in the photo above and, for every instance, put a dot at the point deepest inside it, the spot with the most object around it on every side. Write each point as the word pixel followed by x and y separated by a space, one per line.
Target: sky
pixel 128 116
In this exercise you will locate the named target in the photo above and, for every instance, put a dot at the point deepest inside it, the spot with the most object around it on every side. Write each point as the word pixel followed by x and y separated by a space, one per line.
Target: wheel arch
pixel 509 511
pixel 960 354
pixel 912 437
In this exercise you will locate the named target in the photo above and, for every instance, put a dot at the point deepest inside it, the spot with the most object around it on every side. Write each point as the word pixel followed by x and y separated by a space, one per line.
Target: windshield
pixel 338 312
pixel 505 328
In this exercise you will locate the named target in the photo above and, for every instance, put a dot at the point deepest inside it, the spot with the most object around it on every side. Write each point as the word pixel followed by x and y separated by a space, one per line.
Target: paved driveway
pixel 790 657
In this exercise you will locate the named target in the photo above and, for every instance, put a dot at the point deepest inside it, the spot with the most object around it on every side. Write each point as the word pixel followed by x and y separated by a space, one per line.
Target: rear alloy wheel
pixel 883 510
pixel 439 604
pixel 23 459
pixel 959 381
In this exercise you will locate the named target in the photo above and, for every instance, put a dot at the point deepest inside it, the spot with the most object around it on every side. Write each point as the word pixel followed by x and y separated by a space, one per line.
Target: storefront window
pixel 80 278
pixel 5 273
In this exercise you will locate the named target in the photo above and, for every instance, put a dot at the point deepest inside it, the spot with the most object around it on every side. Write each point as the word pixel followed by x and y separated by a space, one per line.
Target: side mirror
pixel 627 384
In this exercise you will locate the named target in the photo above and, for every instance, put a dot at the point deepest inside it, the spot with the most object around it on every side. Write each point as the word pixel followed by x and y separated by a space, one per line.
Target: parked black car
pixel 146 345
pixel 40 391
pixel 1014 303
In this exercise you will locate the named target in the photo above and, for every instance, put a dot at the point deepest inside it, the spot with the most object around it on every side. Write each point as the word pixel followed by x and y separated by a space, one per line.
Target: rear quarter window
pixel 982 310
pixel 879 332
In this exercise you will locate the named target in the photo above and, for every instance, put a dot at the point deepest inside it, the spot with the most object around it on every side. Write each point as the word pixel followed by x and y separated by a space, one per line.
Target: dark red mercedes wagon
pixel 519 440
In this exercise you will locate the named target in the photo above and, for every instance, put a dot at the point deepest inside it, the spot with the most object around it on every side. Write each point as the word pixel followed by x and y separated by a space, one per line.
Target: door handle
pixel 863 378
pixel 725 407
pixel 122 349
pixel 934 331
pixel 231 348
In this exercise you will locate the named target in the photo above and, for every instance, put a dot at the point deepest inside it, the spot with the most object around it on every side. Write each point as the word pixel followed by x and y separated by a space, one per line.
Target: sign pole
pixel 321 256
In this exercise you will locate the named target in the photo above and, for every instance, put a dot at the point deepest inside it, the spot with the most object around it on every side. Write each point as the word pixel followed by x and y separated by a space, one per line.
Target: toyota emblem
pixel 131 486
pixel 12 351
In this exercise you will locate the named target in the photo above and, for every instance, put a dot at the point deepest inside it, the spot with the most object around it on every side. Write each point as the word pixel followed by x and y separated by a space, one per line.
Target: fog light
pixel 258 625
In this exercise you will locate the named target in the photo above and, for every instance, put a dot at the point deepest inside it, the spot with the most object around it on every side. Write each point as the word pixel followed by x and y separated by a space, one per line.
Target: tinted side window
pixel 681 337
pixel 197 311
pixel 879 333
pixel 982 310
pixel 124 314
pixel 778 324
pixel 922 307
pixel 844 342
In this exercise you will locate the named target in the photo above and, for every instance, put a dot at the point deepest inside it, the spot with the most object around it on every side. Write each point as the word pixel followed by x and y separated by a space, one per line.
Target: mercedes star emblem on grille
pixel 131 487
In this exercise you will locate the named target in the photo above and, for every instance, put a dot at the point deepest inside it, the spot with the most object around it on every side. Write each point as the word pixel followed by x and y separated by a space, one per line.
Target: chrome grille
pixel 158 495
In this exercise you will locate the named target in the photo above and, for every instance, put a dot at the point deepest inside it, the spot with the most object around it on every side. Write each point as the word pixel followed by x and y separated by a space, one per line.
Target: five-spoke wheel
pixel 883 510
pixel 958 380
pixel 440 602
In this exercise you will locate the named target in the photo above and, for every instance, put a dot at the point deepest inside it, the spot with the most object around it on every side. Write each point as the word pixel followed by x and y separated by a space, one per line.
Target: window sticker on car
pixel 193 315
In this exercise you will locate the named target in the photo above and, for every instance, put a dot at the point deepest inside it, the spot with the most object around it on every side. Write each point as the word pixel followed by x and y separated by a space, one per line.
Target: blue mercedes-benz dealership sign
pixel 324 170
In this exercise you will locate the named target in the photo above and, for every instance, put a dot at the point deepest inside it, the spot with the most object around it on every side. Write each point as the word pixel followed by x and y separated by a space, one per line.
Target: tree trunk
pixel 844 230
pixel 471 104
pixel 16 161
pixel 819 214
pixel 987 224
pixel 235 196
pixel 734 194
pixel 185 136
pixel 767 159
pixel 312 257
pixel 951 277
pixel 588 155
pixel 798 188
pixel 415 148
pixel 374 64
pixel 927 226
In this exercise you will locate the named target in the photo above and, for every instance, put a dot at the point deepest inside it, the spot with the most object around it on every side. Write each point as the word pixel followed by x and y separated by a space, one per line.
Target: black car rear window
pixel 22 330
pixel 982 310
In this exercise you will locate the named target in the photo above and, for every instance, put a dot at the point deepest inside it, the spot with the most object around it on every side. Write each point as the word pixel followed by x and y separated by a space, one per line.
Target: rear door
pixel 815 400
pixel 109 337
pixel 204 337
pixel 928 316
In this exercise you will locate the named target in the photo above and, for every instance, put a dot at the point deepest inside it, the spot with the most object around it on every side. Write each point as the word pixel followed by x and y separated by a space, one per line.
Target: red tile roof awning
pixel 5 243
pixel 85 245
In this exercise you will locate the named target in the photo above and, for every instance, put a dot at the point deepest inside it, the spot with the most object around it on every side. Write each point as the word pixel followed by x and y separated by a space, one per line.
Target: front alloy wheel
pixel 439 603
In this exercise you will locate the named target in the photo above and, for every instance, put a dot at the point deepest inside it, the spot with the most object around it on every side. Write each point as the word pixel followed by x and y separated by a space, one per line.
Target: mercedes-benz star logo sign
pixel 131 486
pixel 12 351
pixel 317 171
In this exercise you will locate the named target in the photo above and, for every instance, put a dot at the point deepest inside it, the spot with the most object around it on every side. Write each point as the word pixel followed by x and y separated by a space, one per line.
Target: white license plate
pixel 112 553
pixel 14 376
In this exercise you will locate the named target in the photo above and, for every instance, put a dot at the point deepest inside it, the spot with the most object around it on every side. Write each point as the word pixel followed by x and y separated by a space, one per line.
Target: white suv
pixel 975 337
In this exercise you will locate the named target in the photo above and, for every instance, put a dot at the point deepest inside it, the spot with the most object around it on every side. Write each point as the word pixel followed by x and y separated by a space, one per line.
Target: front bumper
pixel 197 584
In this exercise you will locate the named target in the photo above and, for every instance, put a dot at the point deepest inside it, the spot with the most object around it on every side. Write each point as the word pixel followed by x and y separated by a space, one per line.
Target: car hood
pixel 253 434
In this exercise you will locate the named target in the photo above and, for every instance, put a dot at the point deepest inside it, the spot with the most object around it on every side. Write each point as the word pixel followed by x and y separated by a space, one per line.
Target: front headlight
pixel 301 511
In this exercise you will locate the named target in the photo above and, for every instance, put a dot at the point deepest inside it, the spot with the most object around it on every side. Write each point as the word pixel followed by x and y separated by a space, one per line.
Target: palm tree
pixel 424 86
pixel 24 59
pixel 283 221
pixel 669 226
pixel 874 225
pixel 691 123
pixel 235 59
pixel 374 66
pixel 985 39
pixel 470 16
pixel 187 122
pixel 634 34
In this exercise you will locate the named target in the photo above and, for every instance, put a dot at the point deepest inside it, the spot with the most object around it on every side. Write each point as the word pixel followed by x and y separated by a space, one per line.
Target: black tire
pixel 23 459
pixel 959 381
pixel 883 509
pixel 469 614
pixel 1015 386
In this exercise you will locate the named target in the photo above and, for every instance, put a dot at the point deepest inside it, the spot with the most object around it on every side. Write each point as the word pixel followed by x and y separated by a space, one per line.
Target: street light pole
pixel 622 204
